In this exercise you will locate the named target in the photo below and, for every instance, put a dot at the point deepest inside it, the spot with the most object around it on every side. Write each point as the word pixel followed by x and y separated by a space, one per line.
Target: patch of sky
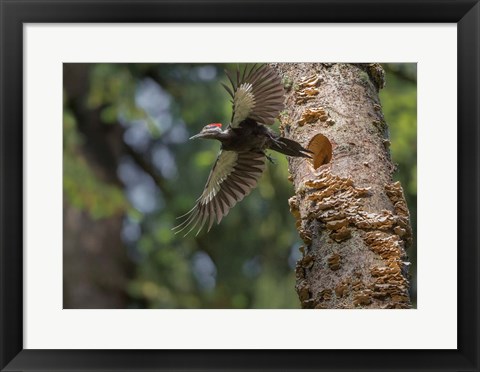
pixel 294 255
pixel 204 271
pixel 252 267
pixel 137 135
pixel 164 161
pixel 140 189
pixel 206 73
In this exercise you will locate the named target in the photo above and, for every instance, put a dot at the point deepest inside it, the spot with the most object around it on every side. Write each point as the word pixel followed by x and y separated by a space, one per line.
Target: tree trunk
pixel 353 219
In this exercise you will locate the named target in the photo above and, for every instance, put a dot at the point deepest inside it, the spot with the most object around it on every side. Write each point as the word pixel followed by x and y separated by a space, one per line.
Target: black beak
pixel 196 136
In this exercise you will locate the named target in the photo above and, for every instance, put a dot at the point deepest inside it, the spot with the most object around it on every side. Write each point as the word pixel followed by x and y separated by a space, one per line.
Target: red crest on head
pixel 215 125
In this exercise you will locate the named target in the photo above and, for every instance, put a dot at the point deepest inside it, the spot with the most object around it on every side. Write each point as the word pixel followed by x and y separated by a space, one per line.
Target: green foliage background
pixel 246 262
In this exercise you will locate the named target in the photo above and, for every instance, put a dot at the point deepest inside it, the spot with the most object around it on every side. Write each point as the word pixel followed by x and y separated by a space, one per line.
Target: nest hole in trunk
pixel 321 148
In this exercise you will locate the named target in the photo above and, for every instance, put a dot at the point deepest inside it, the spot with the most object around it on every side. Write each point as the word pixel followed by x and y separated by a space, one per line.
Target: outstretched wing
pixel 232 177
pixel 257 93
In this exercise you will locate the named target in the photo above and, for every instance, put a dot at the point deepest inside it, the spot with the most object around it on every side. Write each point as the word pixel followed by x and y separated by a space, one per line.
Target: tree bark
pixel 351 216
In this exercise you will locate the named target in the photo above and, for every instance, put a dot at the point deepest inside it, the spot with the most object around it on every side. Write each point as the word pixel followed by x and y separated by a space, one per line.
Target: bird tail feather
pixel 289 147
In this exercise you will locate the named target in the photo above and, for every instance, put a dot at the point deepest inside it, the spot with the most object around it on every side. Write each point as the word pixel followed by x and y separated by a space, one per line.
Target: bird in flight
pixel 257 98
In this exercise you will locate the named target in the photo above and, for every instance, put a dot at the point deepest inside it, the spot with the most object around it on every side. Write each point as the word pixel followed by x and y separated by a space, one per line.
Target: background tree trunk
pixel 351 216
pixel 95 262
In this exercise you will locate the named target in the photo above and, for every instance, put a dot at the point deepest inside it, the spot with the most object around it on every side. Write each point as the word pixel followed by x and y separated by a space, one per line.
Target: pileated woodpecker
pixel 257 97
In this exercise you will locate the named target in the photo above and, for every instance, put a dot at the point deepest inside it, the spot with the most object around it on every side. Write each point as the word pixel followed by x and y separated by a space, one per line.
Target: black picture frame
pixel 14 13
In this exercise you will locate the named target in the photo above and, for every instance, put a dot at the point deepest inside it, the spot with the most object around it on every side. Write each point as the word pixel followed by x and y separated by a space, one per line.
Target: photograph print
pixel 239 185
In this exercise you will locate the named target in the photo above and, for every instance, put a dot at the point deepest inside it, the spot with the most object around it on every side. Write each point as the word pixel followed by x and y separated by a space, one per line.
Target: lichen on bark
pixel 351 216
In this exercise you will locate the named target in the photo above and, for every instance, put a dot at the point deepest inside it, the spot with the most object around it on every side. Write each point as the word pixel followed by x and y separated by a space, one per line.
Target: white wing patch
pixel 232 178
pixel 225 164
pixel 243 103
pixel 257 93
